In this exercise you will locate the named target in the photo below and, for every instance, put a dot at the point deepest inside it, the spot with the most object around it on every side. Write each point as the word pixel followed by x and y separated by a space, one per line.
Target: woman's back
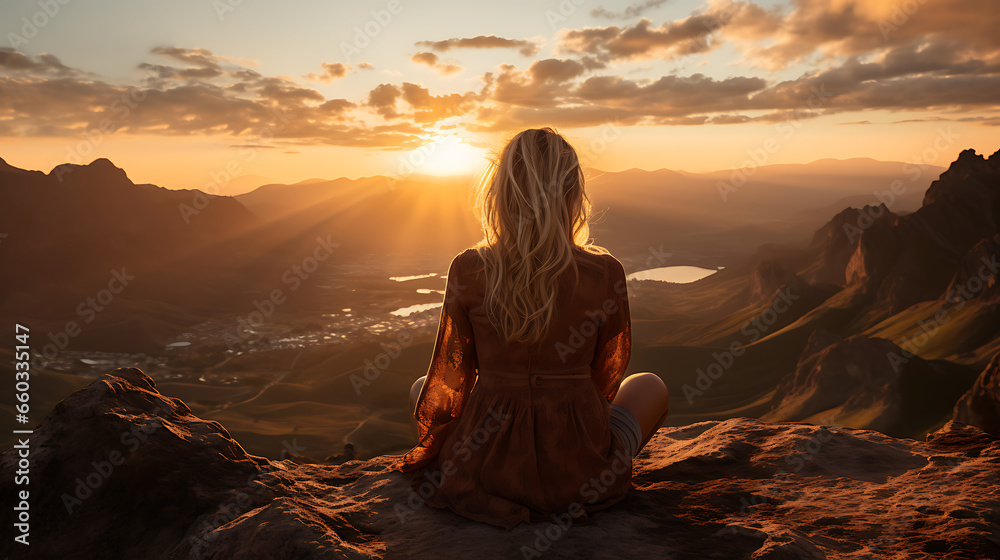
pixel 569 344
pixel 511 428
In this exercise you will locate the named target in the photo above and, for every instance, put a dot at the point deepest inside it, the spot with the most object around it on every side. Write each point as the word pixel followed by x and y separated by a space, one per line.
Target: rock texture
pixel 980 406
pixel 898 261
pixel 869 383
pixel 152 481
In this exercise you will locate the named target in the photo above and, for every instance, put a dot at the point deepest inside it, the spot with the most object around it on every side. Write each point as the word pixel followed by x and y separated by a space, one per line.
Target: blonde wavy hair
pixel 534 212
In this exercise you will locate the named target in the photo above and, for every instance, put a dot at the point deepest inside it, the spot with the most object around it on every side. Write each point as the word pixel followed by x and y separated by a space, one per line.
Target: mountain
pixel 86 219
pixel 938 262
pixel 633 209
pixel 726 215
pixel 919 285
pixel 148 253
pixel 118 457
pixel 734 344
pixel 381 215
pixel 868 383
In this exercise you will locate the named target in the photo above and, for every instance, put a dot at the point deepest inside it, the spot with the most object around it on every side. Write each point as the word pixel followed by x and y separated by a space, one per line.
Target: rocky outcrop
pixel 769 277
pixel 976 277
pixel 980 406
pixel 121 471
pixel 970 188
pixel 867 383
pixel 834 245
pixel 898 261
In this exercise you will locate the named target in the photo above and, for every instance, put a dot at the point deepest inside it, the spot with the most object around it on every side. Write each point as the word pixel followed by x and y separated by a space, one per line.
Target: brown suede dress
pixel 511 433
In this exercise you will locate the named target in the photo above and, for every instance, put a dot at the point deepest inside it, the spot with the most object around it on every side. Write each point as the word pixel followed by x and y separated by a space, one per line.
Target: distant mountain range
pixel 883 320
pixel 855 292
pixel 68 228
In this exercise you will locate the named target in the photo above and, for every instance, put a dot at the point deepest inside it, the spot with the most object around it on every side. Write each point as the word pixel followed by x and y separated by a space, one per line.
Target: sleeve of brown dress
pixel 614 335
pixel 450 376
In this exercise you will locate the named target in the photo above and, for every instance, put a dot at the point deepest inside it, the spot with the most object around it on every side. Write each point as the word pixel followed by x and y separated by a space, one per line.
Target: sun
pixel 447 155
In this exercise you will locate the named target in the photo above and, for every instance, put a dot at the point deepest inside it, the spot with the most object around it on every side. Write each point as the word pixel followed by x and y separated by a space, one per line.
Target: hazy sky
pixel 190 92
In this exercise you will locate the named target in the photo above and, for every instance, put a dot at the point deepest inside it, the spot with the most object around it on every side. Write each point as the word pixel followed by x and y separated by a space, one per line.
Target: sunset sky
pixel 178 92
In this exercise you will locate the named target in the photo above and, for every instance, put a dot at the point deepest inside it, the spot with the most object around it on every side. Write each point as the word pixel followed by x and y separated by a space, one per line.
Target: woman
pixel 524 414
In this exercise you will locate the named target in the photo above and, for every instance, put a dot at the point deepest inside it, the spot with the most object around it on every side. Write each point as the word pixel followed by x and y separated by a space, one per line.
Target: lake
pixel 406 311
pixel 674 274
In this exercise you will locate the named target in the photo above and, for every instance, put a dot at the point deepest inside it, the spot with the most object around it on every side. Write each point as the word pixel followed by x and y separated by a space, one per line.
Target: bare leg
pixel 647 397
pixel 414 395
pixel 415 392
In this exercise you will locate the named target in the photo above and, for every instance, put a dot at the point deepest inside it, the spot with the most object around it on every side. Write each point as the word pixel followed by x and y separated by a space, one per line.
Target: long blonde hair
pixel 534 212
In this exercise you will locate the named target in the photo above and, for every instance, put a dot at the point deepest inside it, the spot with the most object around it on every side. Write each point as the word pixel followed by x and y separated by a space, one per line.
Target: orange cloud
pixel 687 36
pixel 854 56
pixel 431 59
pixel 331 71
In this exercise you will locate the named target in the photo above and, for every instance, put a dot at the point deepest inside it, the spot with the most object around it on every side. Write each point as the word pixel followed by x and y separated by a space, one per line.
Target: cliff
pixel 119 470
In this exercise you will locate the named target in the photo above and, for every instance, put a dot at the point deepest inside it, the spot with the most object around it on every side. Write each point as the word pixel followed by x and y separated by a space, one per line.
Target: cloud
pixel 525 47
pixel 200 65
pixel 632 11
pixel 202 58
pixel 555 70
pixel 672 96
pixel 16 62
pixel 912 78
pixel 843 28
pixel 431 59
pixel 415 103
pixel 331 72
pixel 838 55
pixel 544 84
pixel 691 35
pixel 503 119
pixel 41 97
pixel 383 100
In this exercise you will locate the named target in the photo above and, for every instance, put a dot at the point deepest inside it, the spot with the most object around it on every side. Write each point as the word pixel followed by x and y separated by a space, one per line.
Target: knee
pixel 415 390
pixel 650 384
pixel 647 381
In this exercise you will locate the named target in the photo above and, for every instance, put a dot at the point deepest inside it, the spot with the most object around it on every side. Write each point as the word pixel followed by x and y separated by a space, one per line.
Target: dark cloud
pixel 632 11
pixel 555 70
pixel 854 57
pixel 429 108
pixel 502 119
pixel 383 100
pixel 856 27
pixel 16 62
pixel 41 97
pixel 673 95
pixel 525 47
pixel 200 65
pixel 202 58
pixel 544 84
pixel 336 105
pixel 671 39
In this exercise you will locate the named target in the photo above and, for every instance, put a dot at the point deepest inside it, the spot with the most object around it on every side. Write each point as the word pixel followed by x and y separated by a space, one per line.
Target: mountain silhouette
pixel 873 277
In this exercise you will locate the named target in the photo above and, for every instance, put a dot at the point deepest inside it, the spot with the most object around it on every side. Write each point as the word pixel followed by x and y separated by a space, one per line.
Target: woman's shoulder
pixel 599 257
pixel 465 261
pixel 466 257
